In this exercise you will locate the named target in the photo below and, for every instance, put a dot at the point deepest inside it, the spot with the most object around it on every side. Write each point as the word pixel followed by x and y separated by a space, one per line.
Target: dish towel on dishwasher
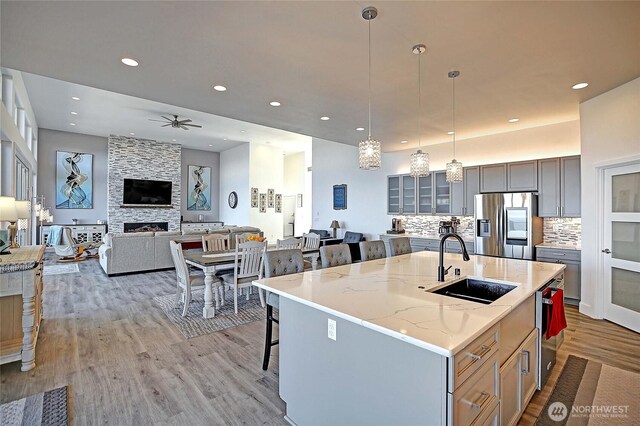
pixel 555 316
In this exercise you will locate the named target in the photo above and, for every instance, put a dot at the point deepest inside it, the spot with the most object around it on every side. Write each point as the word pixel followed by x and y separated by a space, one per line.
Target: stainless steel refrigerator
pixel 507 225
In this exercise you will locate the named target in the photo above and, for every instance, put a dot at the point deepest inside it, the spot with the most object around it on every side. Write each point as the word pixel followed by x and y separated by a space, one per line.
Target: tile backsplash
pixel 562 230
pixel 555 230
pixel 428 225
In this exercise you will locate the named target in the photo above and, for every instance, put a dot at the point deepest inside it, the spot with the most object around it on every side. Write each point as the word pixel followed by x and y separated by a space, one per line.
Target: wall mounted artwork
pixel 340 197
pixel 254 198
pixel 199 188
pixel 270 198
pixel 74 180
pixel 263 203
pixel 278 203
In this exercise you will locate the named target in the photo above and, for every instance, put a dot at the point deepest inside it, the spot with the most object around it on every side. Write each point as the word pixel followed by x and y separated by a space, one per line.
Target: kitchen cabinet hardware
pixel 484 397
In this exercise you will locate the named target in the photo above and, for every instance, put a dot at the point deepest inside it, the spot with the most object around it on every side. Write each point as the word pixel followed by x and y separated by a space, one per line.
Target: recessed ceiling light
pixel 210 145
pixel 325 118
pixel 173 140
pixel 242 131
pixel 404 141
pixel 74 113
pixel 72 124
pixel 578 86
pixel 275 103
pixel 514 120
pixel 129 62
pixel 451 132
pixel 224 139
pixel 132 134
pixel 220 88
pixel 75 98
pixel 359 129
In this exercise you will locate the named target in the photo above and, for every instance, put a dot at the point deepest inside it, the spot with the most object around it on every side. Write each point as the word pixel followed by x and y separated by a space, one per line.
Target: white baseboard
pixel 588 310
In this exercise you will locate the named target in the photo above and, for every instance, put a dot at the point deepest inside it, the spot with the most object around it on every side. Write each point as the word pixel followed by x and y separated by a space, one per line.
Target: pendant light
pixel 370 154
pixel 419 160
pixel 454 168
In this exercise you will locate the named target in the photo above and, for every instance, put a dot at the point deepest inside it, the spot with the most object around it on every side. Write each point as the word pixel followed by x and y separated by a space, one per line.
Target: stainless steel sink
pixel 476 290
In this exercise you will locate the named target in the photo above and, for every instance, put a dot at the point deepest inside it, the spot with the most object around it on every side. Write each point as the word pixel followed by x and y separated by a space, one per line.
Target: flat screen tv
pixel 139 192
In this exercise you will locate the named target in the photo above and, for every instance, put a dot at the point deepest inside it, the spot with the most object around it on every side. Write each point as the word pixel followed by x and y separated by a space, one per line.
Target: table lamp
pixel 23 207
pixel 8 213
pixel 334 225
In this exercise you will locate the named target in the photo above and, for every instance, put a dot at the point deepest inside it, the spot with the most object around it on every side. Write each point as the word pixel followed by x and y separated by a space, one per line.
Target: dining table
pixel 212 262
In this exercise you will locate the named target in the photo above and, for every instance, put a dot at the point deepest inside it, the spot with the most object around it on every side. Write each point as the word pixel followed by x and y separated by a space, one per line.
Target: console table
pixel 89 233
pixel 200 226
pixel 20 305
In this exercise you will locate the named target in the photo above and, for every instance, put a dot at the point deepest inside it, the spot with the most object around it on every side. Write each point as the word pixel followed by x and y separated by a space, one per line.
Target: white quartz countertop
pixel 384 295
pixel 560 246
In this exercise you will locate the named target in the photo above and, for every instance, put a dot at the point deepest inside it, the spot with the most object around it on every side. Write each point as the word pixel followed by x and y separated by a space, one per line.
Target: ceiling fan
pixel 175 123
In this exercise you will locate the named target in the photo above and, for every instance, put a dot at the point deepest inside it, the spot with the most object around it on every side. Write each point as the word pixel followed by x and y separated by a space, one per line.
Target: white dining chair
pixel 242 238
pixel 247 267
pixel 289 243
pixel 185 282
pixel 215 242
pixel 311 240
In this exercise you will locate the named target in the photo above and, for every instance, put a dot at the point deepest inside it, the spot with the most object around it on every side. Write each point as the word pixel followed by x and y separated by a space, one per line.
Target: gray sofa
pixel 123 253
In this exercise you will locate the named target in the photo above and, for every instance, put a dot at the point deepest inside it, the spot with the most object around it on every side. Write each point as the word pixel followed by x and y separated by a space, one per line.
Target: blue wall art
pixel 199 187
pixel 74 180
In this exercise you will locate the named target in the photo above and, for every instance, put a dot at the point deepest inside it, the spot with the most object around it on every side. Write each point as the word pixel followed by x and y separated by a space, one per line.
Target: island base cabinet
pixel 478 395
pixel 361 377
pixel 518 380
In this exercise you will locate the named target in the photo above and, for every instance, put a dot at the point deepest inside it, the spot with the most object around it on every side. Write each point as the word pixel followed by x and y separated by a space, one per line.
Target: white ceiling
pixel 517 59
pixel 101 113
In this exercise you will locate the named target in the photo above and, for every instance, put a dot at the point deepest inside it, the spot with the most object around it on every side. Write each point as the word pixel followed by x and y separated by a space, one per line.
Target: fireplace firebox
pixel 146 226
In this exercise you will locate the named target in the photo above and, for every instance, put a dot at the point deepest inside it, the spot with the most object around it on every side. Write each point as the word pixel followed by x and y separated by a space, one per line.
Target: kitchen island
pixel 370 343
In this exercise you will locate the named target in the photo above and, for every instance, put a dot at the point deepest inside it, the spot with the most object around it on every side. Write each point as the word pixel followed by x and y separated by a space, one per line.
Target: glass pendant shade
pixel 419 164
pixel 454 171
pixel 370 154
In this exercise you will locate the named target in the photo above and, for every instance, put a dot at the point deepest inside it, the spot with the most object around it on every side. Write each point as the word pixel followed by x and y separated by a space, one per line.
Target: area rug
pixel 591 393
pixel 194 325
pixel 65 268
pixel 48 408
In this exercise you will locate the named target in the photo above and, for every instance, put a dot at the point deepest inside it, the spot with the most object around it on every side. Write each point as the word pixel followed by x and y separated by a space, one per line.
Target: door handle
pixel 558 211
pixel 607 251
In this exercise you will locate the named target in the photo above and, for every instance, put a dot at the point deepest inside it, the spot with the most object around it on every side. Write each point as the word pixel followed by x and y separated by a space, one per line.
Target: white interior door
pixel 622 246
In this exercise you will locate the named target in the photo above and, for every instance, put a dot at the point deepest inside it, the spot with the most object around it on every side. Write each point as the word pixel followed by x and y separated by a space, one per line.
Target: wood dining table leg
pixel 209 310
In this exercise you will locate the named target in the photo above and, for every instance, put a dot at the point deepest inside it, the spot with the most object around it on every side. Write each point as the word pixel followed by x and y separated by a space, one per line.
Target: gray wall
pixel 196 157
pixel 49 142
pixel 142 159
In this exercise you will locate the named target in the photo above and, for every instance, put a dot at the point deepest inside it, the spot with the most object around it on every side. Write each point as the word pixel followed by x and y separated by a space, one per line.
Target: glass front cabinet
pixel 423 195
pixel 401 194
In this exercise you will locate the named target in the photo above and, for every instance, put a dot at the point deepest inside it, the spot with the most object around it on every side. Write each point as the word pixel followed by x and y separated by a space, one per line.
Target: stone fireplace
pixel 146 226
pixel 142 159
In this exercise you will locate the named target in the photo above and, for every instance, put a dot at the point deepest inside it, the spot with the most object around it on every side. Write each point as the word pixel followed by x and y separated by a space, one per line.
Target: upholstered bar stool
pixel 335 255
pixel 276 263
pixel 370 250
pixel 399 245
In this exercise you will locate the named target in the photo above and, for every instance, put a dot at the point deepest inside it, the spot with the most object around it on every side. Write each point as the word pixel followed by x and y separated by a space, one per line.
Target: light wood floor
pixel 127 364
pixel 585 337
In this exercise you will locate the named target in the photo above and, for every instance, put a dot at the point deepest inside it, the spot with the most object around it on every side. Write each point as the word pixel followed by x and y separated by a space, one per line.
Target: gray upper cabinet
pixel 522 176
pixel 393 194
pixel 570 186
pixel 559 187
pixel 457 198
pixel 441 193
pixel 471 184
pixel 549 187
pixel 425 194
pixel 463 194
pixel 493 178
pixel 401 194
